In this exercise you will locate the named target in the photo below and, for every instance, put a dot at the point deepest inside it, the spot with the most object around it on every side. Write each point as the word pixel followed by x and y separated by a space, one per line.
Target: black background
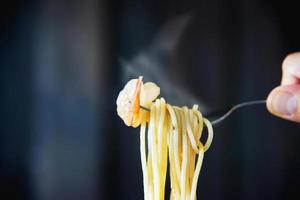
pixel 60 73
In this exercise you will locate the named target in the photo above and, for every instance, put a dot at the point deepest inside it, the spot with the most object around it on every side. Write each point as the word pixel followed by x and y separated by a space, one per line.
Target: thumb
pixel 284 102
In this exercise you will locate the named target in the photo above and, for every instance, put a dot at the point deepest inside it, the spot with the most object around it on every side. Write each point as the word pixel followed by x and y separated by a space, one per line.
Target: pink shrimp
pixel 134 95
pixel 135 102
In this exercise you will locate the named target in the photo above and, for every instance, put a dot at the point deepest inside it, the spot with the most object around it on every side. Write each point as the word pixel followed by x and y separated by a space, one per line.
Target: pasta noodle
pixel 170 136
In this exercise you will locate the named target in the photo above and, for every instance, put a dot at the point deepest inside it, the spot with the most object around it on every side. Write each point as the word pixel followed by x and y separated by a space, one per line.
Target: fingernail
pixel 284 103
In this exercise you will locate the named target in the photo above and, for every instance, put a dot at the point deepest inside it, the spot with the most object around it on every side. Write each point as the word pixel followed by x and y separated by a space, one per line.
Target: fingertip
pixel 273 101
pixel 283 102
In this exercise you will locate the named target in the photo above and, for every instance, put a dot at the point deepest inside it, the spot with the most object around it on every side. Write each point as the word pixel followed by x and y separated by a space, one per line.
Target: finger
pixel 284 102
pixel 291 69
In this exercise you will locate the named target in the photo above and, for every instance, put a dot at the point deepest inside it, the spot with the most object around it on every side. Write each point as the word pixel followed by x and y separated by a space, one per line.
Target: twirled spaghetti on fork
pixel 173 134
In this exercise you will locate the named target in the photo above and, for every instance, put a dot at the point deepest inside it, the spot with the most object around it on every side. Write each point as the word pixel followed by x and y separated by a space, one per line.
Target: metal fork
pixel 235 107
pixel 228 111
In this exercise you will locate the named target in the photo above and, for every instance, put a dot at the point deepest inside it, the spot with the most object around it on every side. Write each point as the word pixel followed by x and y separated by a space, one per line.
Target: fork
pixel 225 113
pixel 232 109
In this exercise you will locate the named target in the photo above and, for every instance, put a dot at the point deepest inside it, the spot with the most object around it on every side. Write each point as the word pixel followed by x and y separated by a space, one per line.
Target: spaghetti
pixel 173 136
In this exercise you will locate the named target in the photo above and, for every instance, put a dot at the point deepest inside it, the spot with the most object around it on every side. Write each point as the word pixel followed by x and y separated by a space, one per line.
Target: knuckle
pixel 289 59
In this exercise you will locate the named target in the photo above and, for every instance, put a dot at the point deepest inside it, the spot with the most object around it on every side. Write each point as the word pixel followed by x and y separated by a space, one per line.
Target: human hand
pixel 284 100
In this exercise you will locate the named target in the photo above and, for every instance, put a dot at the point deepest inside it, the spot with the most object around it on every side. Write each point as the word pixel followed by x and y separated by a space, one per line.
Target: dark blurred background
pixel 62 64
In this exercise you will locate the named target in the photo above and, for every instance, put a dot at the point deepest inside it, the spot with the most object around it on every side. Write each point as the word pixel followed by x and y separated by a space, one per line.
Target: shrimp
pixel 134 95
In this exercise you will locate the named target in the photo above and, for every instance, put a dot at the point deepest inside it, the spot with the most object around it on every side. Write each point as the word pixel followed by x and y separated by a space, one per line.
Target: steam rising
pixel 153 63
